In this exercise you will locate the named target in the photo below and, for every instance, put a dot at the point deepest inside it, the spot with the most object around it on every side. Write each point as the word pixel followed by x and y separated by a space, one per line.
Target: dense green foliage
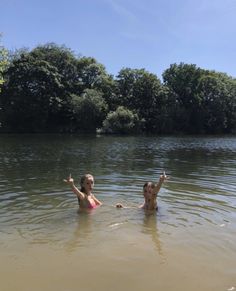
pixel 3 62
pixel 205 99
pixel 122 121
pixel 50 89
pixel 88 110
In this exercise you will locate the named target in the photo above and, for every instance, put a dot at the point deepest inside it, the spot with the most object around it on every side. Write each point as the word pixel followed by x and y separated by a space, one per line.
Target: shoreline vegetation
pixel 49 89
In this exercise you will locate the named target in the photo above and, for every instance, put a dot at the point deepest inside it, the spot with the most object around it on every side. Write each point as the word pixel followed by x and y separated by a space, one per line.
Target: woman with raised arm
pixel 86 199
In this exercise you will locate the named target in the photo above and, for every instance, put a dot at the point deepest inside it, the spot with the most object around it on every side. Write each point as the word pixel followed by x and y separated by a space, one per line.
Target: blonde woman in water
pixel 85 197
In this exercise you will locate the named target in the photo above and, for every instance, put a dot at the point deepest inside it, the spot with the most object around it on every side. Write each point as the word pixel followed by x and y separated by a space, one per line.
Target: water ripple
pixel 35 202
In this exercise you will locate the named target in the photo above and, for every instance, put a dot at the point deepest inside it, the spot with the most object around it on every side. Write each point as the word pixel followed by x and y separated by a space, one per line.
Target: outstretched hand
pixel 69 180
pixel 163 177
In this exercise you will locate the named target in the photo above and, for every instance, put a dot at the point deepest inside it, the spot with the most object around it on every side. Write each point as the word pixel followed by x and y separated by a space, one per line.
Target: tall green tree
pixel 140 91
pixel 43 81
pixel 31 95
pixel 88 111
pixel 218 103
pixel 93 75
pixel 65 63
pixel 183 81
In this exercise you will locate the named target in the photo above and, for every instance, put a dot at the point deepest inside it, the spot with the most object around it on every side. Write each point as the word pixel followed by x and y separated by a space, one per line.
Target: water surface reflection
pixel 192 232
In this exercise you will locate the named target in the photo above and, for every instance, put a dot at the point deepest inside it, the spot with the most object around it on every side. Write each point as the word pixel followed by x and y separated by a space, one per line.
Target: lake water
pixel 47 244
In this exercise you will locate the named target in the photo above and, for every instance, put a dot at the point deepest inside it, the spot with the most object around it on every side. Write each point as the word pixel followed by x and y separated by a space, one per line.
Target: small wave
pixel 116 225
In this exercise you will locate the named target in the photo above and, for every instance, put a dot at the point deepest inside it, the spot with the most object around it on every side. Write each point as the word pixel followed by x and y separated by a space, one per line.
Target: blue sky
pixel 150 34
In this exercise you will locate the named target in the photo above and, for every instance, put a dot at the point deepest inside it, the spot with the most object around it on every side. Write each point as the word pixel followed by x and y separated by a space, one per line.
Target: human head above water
pixel 148 186
pixel 87 183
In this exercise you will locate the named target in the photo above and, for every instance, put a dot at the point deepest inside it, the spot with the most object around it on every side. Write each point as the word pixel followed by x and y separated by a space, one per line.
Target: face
pixel 148 189
pixel 88 183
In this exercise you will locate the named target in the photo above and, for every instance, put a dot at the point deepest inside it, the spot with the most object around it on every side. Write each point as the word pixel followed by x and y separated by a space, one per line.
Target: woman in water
pixel 150 191
pixel 85 197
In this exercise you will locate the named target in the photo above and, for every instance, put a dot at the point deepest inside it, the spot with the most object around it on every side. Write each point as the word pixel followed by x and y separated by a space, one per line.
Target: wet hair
pixel 82 179
pixel 146 184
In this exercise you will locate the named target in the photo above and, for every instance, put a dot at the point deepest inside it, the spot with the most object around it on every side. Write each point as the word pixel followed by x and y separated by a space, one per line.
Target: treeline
pixel 50 89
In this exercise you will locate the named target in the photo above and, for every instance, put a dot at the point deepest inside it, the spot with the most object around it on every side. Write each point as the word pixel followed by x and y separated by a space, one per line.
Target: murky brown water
pixel 46 244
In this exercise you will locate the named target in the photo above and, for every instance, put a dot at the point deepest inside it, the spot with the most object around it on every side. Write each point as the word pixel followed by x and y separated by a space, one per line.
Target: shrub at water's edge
pixel 122 121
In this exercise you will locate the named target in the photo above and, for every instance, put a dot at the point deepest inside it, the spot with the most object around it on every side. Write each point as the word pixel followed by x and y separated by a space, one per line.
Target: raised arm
pixel 162 178
pixel 70 181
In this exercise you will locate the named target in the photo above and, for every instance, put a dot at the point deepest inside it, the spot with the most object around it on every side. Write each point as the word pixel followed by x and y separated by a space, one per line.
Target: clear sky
pixel 150 34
